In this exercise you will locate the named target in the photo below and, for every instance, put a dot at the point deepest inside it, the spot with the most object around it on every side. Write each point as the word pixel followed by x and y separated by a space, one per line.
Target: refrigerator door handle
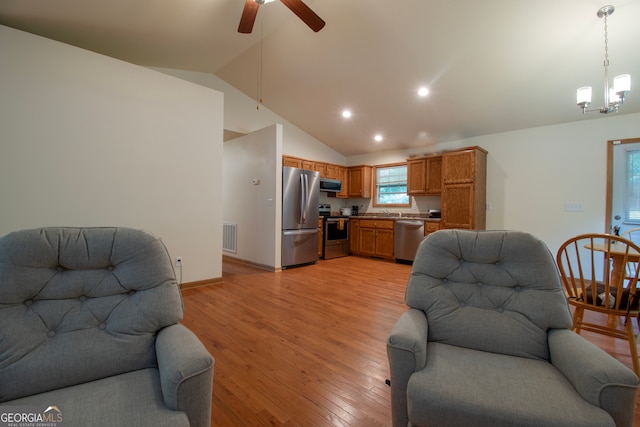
pixel 302 201
pixel 306 199
pixel 300 232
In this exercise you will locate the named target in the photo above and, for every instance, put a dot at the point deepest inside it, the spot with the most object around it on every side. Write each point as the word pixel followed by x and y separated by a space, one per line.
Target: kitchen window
pixel 391 186
pixel 632 188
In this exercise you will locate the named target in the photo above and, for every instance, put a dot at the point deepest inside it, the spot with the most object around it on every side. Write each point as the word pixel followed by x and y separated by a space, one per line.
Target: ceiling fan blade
pixel 248 16
pixel 305 13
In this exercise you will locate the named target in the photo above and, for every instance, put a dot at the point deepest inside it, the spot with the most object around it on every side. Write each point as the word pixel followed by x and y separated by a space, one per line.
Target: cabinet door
pixel 459 167
pixel 333 171
pixel 354 236
pixel 367 241
pixel 433 184
pixel 384 243
pixel 416 174
pixel 458 206
pixel 359 181
pixel 307 165
pixel 430 227
pixel 320 237
pixel 342 176
pixel 291 162
pixel 322 168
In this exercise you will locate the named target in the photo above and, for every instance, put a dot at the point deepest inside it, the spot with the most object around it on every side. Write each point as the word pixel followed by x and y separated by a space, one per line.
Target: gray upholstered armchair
pixel 485 342
pixel 89 326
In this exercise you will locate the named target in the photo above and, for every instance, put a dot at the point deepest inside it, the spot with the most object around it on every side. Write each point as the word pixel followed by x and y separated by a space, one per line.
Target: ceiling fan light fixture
pixel 613 97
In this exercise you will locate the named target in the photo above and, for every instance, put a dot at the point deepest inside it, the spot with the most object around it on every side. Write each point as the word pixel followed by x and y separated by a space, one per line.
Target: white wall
pixel 87 140
pixel 257 209
pixel 532 173
pixel 241 115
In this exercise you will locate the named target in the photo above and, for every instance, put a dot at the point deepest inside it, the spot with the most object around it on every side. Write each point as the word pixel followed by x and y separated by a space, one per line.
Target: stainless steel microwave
pixel 330 185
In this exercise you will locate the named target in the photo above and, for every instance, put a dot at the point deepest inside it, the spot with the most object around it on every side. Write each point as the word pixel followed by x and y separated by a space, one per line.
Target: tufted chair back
pixel 80 304
pixel 495 291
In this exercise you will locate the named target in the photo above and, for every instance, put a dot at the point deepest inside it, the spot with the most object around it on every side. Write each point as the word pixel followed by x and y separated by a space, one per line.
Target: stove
pixel 335 234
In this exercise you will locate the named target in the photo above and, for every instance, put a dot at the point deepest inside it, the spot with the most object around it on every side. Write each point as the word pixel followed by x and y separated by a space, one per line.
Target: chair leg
pixel 577 319
pixel 633 346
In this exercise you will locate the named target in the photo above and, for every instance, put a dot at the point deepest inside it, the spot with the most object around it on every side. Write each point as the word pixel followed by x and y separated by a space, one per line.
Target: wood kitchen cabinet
pixel 292 162
pixel 354 236
pixel 322 168
pixel 416 176
pixel 424 175
pixel 431 226
pixel 359 181
pixel 464 179
pixel 308 165
pixel 376 238
pixel 433 175
pixel 320 236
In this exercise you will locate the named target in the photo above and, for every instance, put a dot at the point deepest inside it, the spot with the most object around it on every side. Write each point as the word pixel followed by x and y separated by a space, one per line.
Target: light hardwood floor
pixel 306 346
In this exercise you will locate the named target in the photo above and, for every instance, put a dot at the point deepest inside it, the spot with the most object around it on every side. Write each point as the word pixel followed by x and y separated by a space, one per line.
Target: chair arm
pixel 407 353
pixel 186 373
pixel 598 377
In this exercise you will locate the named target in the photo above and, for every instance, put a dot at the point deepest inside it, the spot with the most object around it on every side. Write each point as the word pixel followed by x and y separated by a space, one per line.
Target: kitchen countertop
pixel 395 217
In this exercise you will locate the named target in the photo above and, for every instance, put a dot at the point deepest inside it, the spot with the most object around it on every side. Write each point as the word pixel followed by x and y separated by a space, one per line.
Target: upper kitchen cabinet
pixel 424 175
pixel 321 168
pixel 359 181
pixel 340 173
pixel 467 165
pixel 292 162
pixel 464 177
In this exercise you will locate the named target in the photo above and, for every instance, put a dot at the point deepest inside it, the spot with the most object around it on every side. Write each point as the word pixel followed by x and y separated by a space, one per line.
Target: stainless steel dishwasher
pixel 407 236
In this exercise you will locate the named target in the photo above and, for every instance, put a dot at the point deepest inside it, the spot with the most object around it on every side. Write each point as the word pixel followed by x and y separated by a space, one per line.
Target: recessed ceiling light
pixel 346 114
pixel 423 91
pixel 378 138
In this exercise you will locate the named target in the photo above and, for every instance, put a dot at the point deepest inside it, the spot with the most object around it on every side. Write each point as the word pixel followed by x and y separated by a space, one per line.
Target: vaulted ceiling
pixel 491 66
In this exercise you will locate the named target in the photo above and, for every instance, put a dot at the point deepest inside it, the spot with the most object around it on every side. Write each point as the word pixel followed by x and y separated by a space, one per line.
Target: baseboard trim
pixel 200 283
pixel 227 258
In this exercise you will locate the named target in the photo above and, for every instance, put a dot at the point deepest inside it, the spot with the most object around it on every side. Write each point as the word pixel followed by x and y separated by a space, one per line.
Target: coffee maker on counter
pixel 354 210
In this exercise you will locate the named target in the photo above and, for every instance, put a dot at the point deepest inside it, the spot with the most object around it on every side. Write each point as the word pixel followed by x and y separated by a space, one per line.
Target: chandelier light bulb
pixel 622 83
pixel 613 96
pixel 584 96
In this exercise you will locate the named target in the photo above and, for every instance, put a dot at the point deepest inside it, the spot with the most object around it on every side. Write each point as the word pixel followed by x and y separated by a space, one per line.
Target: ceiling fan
pixel 303 11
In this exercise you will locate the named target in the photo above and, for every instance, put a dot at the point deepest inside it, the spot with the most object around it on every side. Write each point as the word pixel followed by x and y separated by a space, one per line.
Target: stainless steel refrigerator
pixel 300 195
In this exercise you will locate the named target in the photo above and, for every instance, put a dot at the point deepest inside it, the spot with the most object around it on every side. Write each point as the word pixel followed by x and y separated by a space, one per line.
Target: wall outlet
pixel 178 261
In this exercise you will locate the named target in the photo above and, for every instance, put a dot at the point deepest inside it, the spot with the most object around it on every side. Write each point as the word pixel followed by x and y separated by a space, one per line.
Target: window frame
pixel 375 202
pixel 632 188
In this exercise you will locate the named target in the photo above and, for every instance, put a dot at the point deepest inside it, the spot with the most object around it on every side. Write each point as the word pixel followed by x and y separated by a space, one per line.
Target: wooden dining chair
pixel 593 269
pixel 632 234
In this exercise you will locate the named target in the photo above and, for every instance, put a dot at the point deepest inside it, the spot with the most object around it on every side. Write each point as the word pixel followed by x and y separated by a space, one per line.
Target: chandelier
pixel 613 96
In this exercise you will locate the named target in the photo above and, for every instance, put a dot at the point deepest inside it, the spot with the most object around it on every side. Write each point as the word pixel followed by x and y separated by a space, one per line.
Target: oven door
pixel 336 231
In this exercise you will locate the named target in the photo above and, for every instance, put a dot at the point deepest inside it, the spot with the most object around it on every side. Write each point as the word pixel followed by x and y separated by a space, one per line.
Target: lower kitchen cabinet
pixel 320 237
pixel 431 226
pixel 354 236
pixel 376 238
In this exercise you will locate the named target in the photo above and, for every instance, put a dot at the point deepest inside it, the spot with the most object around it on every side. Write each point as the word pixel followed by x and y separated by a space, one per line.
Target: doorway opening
pixel 620 212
